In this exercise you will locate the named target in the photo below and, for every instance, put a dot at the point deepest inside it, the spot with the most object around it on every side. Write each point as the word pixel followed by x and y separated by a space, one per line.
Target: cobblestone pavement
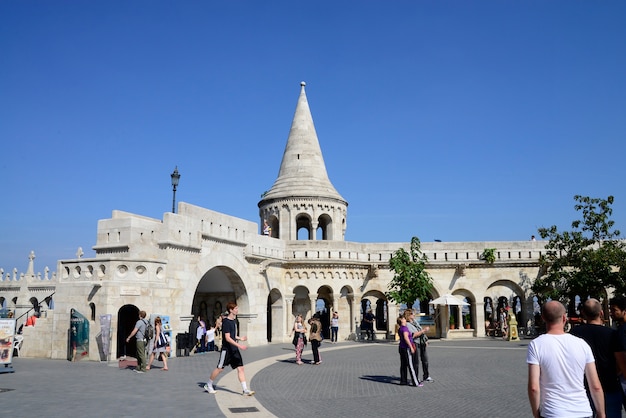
pixel 480 377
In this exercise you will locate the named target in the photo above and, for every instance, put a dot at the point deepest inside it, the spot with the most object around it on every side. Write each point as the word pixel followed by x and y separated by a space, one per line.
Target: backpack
pixel 314 327
pixel 149 334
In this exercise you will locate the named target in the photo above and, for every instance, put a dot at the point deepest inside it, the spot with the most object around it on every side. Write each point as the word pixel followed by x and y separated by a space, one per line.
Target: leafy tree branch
pixel 411 281
pixel 585 261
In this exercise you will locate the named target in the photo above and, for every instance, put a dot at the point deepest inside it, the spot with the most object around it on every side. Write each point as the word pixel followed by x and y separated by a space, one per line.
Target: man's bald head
pixel 552 311
pixel 591 309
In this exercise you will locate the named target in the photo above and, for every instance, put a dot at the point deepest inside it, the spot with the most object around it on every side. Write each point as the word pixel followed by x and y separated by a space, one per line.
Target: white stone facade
pixel 195 261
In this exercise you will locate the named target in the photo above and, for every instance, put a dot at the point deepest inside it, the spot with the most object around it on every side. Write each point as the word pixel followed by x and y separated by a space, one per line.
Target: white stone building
pixel 193 262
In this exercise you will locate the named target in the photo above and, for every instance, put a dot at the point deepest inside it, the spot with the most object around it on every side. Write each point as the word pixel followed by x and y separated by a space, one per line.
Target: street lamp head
pixel 175 177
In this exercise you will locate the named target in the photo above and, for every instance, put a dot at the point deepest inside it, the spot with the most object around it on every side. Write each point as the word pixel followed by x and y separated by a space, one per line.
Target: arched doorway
pixel 127 317
pixel 377 303
pixel 322 306
pixel 216 288
pixel 274 315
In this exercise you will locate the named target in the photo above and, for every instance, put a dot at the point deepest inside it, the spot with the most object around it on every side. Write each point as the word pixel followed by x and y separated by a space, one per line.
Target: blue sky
pixel 451 120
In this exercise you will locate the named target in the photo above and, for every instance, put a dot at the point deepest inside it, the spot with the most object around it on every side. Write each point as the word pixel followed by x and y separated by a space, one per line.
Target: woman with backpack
pixel 160 344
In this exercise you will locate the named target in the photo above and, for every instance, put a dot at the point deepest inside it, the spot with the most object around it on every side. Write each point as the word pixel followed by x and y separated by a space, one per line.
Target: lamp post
pixel 175 178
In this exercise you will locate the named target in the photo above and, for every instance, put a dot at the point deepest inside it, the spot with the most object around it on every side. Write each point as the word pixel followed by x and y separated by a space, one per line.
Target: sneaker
pixel 248 392
pixel 429 379
pixel 210 389
pixel 138 371
pixel 420 384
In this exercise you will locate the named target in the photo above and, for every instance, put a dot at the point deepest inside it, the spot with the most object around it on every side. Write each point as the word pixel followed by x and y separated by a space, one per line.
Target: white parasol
pixel 448 299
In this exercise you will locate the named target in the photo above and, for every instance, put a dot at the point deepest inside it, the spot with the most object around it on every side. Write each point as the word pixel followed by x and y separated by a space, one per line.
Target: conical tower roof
pixel 302 171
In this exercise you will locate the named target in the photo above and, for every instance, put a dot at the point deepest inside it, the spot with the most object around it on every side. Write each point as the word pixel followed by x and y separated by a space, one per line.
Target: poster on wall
pixel 79 336
pixel 105 336
pixel 167 328
pixel 7 339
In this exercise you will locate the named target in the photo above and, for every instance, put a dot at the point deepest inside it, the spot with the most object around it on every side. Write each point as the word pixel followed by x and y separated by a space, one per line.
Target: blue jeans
pixel 612 404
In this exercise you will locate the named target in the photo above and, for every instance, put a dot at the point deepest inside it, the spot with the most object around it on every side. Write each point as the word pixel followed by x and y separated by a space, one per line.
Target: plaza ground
pixel 478 377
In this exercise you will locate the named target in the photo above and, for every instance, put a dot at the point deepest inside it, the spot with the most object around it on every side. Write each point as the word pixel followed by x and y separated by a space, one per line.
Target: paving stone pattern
pixel 473 378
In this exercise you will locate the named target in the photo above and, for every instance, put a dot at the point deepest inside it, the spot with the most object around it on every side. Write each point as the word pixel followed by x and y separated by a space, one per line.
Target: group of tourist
pixel 205 335
pixel 581 373
pixel 299 331
pixel 158 346
pixel 229 355
pixel 412 349
pixel 576 374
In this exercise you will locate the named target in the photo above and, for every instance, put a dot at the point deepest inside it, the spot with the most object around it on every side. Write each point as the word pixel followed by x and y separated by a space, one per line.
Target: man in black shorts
pixel 230 354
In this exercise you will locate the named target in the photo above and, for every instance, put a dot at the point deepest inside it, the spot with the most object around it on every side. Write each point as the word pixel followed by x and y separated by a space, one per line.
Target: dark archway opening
pixel 127 317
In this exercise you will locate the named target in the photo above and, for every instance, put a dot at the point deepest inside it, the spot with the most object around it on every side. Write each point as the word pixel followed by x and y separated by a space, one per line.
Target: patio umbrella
pixel 448 299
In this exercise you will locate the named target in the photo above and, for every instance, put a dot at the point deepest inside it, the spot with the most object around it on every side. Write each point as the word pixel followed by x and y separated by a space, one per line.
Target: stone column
pixel 479 326
pixel 289 313
pixel 393 311
pixel 313 300
pixel 352 312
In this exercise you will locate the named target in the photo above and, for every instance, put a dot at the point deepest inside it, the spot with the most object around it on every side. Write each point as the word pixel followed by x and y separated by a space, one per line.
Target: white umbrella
pixel 448 299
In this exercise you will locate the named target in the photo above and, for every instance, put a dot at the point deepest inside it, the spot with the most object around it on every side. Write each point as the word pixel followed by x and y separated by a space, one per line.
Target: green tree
pixel 411 281
pixel 585 261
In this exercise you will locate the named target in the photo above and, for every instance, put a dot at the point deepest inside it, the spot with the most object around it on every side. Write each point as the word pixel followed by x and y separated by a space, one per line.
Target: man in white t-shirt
pixel 557 366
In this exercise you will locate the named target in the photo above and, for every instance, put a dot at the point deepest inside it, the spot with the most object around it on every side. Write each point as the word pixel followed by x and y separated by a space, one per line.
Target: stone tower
pixel 302 196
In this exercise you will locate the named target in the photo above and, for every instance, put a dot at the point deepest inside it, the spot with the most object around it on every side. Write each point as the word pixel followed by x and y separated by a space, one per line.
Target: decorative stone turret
pixel 303 196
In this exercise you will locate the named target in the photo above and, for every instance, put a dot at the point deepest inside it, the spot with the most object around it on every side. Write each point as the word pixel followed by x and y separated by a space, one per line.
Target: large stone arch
pixel 325 293
pixel 219 278
pixel 379 305
pixel 214 290
pixel 470 313
pixel 503 293
pixel 301 304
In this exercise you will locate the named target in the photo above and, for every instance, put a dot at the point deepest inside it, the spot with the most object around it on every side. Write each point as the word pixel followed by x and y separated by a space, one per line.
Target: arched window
pixel 324 231
pixel 488 310
pixel 50 302
pixel 303 227
pixel 36 306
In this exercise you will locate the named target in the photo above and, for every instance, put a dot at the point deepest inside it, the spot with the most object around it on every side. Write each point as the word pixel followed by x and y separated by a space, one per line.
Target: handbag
pixel 163 341
pixel 295 338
